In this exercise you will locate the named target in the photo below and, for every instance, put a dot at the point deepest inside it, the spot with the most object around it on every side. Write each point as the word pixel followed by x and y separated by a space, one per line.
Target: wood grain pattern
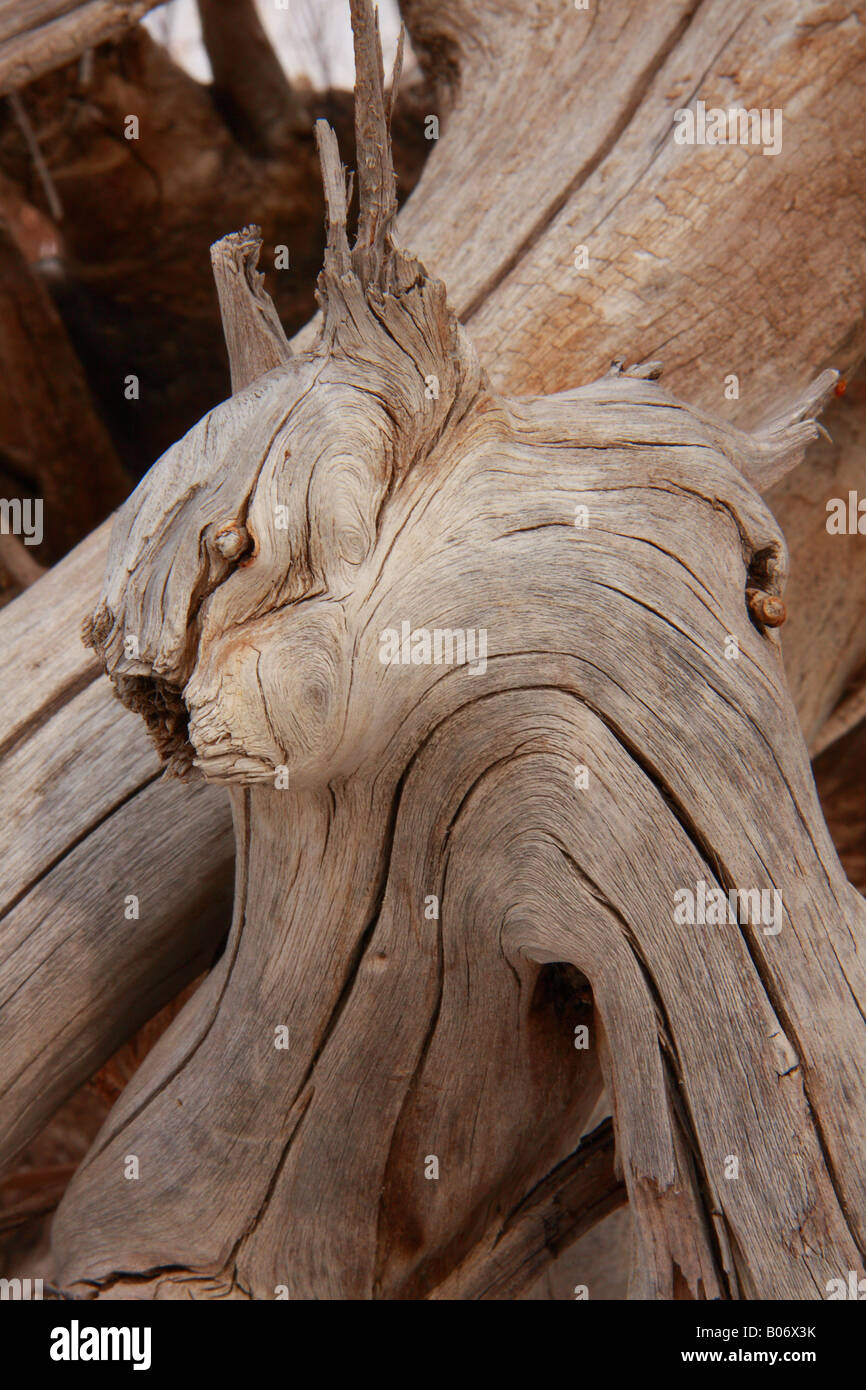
pixel 606 543
pixel 613 657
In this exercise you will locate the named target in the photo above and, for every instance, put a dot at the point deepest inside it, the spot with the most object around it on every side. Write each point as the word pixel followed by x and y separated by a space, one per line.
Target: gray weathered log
pixel 255 339
pixel 581 1191
pixel 505 273
pixel 608 545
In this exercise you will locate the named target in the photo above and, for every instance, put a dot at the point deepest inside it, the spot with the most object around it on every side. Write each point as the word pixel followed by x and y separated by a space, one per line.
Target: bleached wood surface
pixel 659 222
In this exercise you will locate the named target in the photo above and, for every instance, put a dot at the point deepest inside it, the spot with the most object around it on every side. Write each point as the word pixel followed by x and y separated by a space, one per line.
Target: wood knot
pixel 232 540
pixel 767 609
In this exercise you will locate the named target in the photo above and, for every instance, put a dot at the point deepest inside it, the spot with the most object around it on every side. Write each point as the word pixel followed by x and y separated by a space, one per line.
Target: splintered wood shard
pixel 254 336
pixel 494 684
pixel 377 186
pixel 337 254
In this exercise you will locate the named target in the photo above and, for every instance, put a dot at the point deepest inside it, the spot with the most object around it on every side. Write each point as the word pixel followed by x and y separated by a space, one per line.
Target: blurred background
pixel 312 38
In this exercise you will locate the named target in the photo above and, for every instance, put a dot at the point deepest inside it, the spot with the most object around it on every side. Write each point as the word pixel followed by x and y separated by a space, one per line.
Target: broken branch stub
pixel 254 336
pixel 499 709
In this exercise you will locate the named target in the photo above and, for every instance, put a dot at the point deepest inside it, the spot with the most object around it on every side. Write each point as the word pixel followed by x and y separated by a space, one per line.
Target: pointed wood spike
pixel 255 340
pixel 337 195
pixel 395 73
pixel 377 188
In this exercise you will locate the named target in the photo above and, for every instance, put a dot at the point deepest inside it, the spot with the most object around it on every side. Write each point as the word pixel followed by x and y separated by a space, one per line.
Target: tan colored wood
pixel 606 544
pixel 824 639
pixel 257 338
pixel 580 1192
pixel 676 482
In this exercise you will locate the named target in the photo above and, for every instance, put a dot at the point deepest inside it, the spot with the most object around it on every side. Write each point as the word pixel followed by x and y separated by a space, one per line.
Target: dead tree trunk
pixel 522 641
pixel 379 479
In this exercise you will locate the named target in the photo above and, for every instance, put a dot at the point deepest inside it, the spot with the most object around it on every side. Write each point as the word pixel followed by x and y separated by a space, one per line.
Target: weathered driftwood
pixel 67 873
pixel 255 338
pixel 62 797
pixel 508 252
pixel 831 618
pixel 605 544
